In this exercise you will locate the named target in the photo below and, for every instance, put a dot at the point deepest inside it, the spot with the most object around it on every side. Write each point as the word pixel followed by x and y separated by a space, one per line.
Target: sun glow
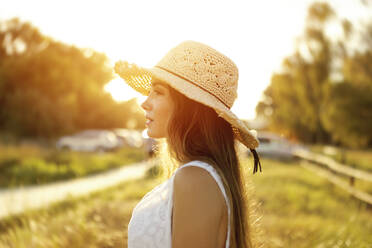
pixel 256 35
pixel 120 91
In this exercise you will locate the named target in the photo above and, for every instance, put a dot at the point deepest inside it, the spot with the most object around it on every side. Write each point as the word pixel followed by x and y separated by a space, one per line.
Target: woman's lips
pixel 148 120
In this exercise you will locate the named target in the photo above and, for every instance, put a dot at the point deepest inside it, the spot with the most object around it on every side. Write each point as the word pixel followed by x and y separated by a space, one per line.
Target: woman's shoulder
pixel 197 208
pixel 197 172
pixel 191 175
pixel 197 184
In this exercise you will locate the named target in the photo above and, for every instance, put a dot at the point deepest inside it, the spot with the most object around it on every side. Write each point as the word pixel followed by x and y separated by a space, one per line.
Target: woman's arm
pixel 198 206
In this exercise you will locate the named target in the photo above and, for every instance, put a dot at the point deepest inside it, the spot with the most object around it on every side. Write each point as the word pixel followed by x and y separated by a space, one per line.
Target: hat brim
pixel 140 80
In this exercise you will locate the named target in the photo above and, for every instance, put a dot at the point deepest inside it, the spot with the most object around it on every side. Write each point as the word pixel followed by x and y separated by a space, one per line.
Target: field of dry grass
pixel 298 209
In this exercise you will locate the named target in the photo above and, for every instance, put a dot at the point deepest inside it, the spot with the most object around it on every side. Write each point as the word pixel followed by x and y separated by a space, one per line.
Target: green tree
pixel 323 93
pixel 348 115
pixel 296 95
pixel 49 88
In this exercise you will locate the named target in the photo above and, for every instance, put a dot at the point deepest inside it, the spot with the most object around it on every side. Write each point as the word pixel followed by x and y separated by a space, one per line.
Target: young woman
pixel 203 203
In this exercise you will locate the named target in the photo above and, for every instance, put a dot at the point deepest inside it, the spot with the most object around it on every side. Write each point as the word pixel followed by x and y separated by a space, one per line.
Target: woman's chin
pixel 153 134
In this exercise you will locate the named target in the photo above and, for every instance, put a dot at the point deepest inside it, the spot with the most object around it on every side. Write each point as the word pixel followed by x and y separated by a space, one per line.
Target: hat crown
pixel 204 67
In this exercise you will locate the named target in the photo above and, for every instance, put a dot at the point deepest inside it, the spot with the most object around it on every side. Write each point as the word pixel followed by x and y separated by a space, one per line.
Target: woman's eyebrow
pixel 154 84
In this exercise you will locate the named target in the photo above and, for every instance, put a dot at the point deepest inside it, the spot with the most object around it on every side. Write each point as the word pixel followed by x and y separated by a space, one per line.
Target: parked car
pixel 130 138
pixel 90 141
pixel 274 146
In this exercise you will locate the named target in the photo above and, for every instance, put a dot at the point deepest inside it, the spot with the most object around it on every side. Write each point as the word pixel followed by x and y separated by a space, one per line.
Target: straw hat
pixel 200 73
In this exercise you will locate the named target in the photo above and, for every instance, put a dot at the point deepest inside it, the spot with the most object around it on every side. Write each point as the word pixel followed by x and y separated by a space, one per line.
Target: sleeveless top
pixel 150 224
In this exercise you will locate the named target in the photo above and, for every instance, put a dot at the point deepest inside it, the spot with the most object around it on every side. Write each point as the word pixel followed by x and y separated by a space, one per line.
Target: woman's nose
pixel 145 105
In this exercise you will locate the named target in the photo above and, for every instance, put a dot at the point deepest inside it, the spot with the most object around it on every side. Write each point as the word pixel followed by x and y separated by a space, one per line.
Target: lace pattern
pixel 150 224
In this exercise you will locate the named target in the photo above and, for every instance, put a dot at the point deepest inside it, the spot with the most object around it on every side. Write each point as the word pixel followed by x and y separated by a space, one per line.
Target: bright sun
pixel 120 91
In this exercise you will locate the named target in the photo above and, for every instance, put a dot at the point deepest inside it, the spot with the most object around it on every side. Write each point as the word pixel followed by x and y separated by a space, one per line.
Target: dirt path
pixel 15 201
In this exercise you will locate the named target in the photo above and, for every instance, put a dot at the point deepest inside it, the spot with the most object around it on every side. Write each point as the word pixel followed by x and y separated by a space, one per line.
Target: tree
pixel 307 101
pixel 296 94
pixel 348 115
pixel 49 88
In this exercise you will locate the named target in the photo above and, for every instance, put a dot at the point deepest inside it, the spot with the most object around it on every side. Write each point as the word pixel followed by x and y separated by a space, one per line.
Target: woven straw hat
pixel 200 73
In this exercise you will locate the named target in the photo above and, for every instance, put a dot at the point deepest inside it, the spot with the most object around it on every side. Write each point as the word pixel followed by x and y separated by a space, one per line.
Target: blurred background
pixel 305 84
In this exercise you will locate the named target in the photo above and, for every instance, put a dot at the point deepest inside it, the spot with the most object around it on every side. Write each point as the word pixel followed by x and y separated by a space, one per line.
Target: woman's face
pixel 159 108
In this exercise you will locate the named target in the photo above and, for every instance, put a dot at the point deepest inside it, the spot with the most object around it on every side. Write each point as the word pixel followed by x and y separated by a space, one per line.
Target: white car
pixel 130 138
pixel 274 146
pixel 90 141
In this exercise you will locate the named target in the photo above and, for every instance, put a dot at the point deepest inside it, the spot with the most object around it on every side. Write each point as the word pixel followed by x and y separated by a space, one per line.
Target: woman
pixel 190 93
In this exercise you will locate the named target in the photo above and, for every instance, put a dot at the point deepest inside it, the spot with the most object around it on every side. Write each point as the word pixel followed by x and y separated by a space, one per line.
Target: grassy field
pixel 29 164
pixel 298 209
pixel 359 159
pixel 356 158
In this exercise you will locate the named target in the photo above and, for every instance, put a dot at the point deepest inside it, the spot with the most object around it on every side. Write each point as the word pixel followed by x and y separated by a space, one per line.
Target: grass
pixel 359 159
pixel 298 209
pixel 99 220
pixel 356 158
pixel 28 164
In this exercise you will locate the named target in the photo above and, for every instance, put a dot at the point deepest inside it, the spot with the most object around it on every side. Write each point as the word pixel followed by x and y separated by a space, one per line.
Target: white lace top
pixel 150 224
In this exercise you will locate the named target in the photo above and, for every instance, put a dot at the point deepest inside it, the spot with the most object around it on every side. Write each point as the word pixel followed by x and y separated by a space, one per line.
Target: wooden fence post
pixel 352 178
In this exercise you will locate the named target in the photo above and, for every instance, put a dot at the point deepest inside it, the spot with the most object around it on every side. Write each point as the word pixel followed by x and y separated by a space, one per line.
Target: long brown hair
pixel 196 132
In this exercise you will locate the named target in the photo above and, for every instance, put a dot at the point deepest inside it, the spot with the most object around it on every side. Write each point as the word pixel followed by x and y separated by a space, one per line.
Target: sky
pixel 256 35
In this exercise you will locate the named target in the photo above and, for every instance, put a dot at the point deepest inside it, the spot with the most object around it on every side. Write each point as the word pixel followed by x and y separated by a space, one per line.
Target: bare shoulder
pixel 198 207
pixel 197 183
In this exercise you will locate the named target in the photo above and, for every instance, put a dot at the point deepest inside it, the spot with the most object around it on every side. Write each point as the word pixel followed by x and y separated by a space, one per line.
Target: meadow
pixel 30 164
pixel 360 159
pixel 296 209
pixel 357 158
